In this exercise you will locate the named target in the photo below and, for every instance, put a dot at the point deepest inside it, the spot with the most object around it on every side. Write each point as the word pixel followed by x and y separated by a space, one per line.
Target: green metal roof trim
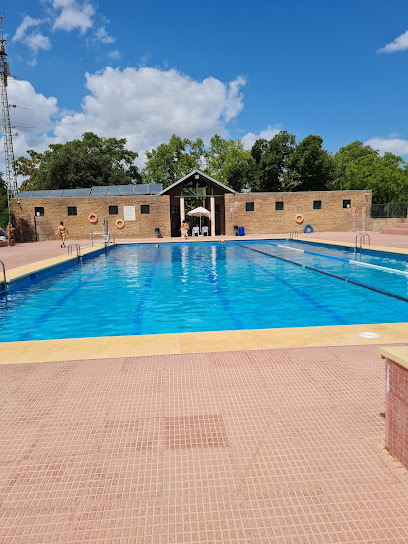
pixel 97 191
pixel 205 176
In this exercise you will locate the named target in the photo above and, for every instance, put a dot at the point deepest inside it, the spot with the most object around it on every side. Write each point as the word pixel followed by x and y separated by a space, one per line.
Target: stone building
pixel 135 211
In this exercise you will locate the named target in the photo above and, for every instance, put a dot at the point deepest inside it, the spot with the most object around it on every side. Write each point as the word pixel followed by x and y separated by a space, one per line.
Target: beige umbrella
pixel 199 212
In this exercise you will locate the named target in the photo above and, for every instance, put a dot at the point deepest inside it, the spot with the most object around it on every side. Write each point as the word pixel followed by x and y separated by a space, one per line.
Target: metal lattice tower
pixel 11 178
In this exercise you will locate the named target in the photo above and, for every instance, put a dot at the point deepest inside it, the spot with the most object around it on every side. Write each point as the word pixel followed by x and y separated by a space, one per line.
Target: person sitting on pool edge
pixel 62 231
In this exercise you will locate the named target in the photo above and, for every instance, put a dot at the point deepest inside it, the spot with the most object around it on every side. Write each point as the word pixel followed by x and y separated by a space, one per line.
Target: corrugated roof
pixel 97 191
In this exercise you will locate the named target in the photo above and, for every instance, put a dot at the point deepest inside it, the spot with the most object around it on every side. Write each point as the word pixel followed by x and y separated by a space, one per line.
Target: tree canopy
pixel 280 164
pixel 173 160
pixel 312 165
pixel 275 163
pixel 228 162
pixel 80 163
pixel 357 166
pixel 3 202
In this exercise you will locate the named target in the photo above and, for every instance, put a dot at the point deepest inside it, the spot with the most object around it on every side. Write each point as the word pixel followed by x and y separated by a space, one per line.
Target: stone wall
pixel 265 219
pixel 32 227
pixel 378 224
pixel 396 406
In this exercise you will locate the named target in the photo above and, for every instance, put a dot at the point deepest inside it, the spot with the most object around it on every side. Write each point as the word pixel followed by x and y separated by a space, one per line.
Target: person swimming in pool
pixel 62 231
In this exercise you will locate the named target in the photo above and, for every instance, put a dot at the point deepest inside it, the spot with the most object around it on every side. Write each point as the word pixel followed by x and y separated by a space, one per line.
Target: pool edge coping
pixel 117 347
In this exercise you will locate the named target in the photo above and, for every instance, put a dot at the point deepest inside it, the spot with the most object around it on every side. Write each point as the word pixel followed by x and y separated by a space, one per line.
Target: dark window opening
pixel 346 203
pixel 113 210
pixel 250 206
pixel 145 209
pixel 72 210
pixel 317 204
pixel 39 212
pixel 278 206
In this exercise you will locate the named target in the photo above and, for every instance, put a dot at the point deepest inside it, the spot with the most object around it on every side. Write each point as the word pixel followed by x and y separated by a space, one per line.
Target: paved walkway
pixel 270 446
pixel 274 446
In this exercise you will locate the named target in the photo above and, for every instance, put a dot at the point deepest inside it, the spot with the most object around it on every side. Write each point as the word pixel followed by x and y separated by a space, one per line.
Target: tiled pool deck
pixel 251 446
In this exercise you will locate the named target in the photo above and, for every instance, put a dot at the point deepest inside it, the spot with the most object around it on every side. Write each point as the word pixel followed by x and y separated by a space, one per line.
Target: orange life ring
pixel 299 218
pixel 120 223
pixel 93 218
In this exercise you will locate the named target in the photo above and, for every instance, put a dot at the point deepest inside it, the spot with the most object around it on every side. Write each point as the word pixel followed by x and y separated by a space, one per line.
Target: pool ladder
pixel 70 250
pixel 4 277
pixel 361 240
pixel 293 234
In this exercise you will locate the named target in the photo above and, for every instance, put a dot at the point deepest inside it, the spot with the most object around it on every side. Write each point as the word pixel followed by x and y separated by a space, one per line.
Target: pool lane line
pixel 399 297
pixel 58 304
pixel 302 294
pixel 351 261
pixel 222 296
pixel 145 290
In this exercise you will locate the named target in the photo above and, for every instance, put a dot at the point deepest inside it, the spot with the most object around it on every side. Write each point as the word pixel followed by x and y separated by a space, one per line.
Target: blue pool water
pixel 189 287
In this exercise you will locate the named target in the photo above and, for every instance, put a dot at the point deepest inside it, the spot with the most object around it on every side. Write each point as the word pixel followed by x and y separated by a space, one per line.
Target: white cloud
pixel 38 41
pixel 102 36
pixel 34 40
pixel 65 15
pixel 145 106
pixel 148 105
pixel 399 44
pixel 249 139
pixel 73 15
pixel 398 146
pixel 34 110
pixel 26 23
pixel 115 54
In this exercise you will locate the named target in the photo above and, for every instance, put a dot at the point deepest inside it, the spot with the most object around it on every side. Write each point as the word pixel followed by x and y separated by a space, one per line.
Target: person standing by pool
pixel 62 231
pixel 184 229
pixel 10 235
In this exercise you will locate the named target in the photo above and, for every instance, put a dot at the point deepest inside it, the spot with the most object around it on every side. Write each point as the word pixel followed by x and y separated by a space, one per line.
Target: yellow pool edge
pixel 26 270
pixel 113 347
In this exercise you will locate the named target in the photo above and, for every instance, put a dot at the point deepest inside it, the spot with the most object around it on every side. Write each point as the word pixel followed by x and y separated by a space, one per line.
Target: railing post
pixel 4 277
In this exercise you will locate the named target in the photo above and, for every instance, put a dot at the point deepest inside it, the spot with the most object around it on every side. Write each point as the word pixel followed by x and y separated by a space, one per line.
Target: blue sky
pixel 147 70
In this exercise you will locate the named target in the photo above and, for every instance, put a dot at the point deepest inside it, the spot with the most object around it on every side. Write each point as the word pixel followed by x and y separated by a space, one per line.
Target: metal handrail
pixel 4 276
pixel 293 234
pixel 103 234
pixel 78 250
pixel 361 237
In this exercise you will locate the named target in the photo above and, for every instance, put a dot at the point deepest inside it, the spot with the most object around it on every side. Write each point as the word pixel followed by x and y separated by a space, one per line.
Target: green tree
pixel 312 164
pixel 344 157
pixel 82 163
pixel 386 176
pixel 274 166
pixel 3 202
pixel 26 166
pixel 173 160
pixel 228 162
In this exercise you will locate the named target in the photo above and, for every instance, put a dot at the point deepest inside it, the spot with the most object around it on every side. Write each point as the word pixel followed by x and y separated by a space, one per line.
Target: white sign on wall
pixel 129 213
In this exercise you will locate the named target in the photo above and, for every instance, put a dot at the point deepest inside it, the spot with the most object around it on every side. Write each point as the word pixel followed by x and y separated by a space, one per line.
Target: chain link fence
pixel 392 209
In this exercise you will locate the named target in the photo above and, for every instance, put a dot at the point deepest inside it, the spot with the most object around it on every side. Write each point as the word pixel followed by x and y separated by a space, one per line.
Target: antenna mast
pixel 11 178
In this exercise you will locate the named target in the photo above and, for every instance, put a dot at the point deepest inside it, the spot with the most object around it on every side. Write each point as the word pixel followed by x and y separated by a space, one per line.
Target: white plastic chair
pixel 195 231
pixel 204 231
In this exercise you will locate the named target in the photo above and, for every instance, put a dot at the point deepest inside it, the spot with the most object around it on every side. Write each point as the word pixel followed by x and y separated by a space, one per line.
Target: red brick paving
pixel 277 446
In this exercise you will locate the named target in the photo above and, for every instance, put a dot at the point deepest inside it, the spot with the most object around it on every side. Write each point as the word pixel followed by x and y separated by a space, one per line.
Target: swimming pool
pixel 190 287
